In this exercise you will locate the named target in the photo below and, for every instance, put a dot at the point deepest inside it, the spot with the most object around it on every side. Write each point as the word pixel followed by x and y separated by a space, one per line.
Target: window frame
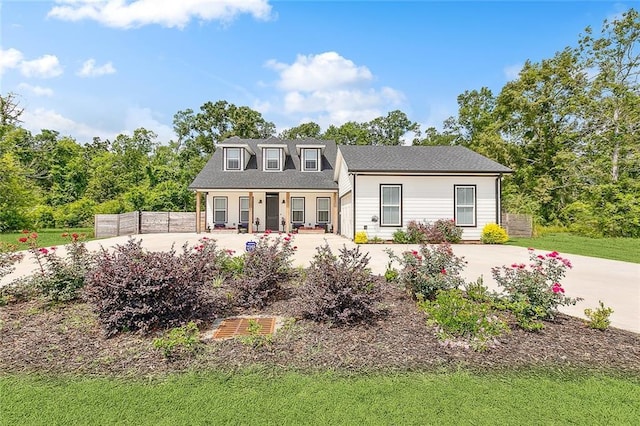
pixel 474 205
pixel 383 205
pixel 226 159
pixel 266 159
pixel 328 210
pixel 304 159
pixel 215 210
pixel 293 199
pixel 240 209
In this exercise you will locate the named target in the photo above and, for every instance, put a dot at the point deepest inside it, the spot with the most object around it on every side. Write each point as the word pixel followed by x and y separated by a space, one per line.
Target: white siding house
pixel 288 184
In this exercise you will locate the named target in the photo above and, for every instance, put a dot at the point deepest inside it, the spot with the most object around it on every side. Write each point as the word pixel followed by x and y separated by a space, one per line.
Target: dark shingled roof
pixel 213 175
pixel 418 159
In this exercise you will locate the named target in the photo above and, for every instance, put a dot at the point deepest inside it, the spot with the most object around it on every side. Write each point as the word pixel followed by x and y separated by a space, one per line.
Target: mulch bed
pixel 67 339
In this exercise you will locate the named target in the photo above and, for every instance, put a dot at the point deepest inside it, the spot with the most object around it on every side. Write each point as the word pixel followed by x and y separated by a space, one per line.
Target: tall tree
pixel 10 110
pixel 390 129
pixel 613 108
pixel 302 131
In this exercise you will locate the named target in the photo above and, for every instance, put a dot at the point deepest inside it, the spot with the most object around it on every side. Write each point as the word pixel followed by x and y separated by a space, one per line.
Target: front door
pixel 273 212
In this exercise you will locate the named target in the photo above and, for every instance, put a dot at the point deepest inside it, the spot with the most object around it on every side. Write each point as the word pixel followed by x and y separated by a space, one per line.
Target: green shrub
pixel 361 238
pixel 599 317
pixel 255 338
pixel 179 341
pixel 340 289
pixel 494 234
pixel 430 269
pixel 459 318
pixel 400 237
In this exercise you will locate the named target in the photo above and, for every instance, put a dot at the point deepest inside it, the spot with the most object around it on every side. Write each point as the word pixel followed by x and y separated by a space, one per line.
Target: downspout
pixel 499 200
pixel 353 203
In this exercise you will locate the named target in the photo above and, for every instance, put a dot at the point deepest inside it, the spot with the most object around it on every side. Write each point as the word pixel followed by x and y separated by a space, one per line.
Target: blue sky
pixel 103 67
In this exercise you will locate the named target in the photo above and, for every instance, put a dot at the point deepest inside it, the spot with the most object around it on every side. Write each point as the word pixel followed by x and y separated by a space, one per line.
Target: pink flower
pixel 541 257
pixel 557 288
pixel 43 250
pixel 23 239
pixel 522 266
pixel 53 248
pixel 287 239
pixel 25 231
pixel 514 265
pixel 567 263
pixel 530 248
pixel 553 254
pixel 443 271
pixel 34 235
pixel 74 236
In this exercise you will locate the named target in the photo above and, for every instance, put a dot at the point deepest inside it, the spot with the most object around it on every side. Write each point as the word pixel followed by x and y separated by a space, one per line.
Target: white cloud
pixel 36 90
pixel 46 66
pixel 330 89
pixel 319 72
pixel 512 71
pixel 41 118
pixel 167 13
pixel 9 58
pixel 144 117
pixel 89 69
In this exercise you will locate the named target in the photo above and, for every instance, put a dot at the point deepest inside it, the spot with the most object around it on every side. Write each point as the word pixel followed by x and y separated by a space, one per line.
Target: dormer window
pixel 310 159
pixel 272 159
pixel 233 158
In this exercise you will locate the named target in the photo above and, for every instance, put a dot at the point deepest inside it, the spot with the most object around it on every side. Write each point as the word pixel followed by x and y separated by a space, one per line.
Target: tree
pixel 612 110
pixel 389 130
pixel 10 110
pixel 17 195
pixel 218 121
pixel 305 130
pixel 350 133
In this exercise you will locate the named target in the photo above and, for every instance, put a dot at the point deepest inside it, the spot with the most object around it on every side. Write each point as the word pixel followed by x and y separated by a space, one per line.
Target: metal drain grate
pixel 232 327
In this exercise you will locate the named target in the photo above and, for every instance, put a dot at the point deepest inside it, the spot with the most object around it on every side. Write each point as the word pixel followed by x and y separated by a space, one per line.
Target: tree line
pixel 568 125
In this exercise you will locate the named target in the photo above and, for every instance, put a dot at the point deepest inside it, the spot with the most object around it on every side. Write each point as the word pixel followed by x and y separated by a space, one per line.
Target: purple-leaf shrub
pixel 138 290
pixel 340 289
pixel 440 231
pixel 537 283
pixel 265 269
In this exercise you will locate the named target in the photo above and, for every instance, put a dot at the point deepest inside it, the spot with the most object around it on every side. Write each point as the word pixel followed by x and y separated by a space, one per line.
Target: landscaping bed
pixel 67 338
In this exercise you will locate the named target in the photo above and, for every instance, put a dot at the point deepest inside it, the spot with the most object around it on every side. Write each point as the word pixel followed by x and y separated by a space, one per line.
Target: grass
pixel 47 237
pixel 292 398
pixel 625 249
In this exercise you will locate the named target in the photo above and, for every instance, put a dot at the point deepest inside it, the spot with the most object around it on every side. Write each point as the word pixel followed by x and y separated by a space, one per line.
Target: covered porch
pixel 260 210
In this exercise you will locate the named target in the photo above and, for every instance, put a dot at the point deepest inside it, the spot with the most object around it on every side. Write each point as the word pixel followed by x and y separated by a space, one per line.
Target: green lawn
pixel 47 237
pixel 626 249
pixel 264 398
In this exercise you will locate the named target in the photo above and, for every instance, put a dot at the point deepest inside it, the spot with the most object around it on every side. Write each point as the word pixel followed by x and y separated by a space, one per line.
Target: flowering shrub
pixel 340 289
pixel 493 233
pixel 458 317
pixel 537 284
pixel 430 269
pixel 58 279
pixel 361 238
pixel 442 230
pixel 133 289
pixel 265 268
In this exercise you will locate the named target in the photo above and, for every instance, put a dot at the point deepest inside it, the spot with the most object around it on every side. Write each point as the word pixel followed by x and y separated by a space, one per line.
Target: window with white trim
pixel 390 205
pixel 272 158
pixel 244 210
pixel 233 158
pixel 219 209
pixel 465 205
pixel 323 207
pixel 297 209
pixel 310 159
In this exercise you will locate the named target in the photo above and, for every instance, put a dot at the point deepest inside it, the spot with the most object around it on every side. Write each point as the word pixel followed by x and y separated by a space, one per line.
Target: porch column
pixel 334 212
pixel 198 224
pixel 250 227
pixel 287 211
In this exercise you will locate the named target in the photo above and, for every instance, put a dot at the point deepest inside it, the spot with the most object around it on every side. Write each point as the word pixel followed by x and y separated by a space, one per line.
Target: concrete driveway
pixel 616 283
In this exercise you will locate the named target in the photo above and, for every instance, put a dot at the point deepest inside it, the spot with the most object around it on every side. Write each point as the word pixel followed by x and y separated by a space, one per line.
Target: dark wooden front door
pixel 273 212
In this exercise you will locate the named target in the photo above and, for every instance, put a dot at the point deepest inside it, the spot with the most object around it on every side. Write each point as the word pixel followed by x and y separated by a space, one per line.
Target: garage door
pixel 346 216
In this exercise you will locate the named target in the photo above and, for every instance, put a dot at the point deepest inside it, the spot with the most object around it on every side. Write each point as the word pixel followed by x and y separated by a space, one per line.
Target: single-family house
pixel 311 183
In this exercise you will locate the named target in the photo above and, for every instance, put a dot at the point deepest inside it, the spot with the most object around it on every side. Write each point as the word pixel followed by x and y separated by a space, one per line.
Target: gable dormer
pixel 235 156
pixel 310 157
pixel 273 156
